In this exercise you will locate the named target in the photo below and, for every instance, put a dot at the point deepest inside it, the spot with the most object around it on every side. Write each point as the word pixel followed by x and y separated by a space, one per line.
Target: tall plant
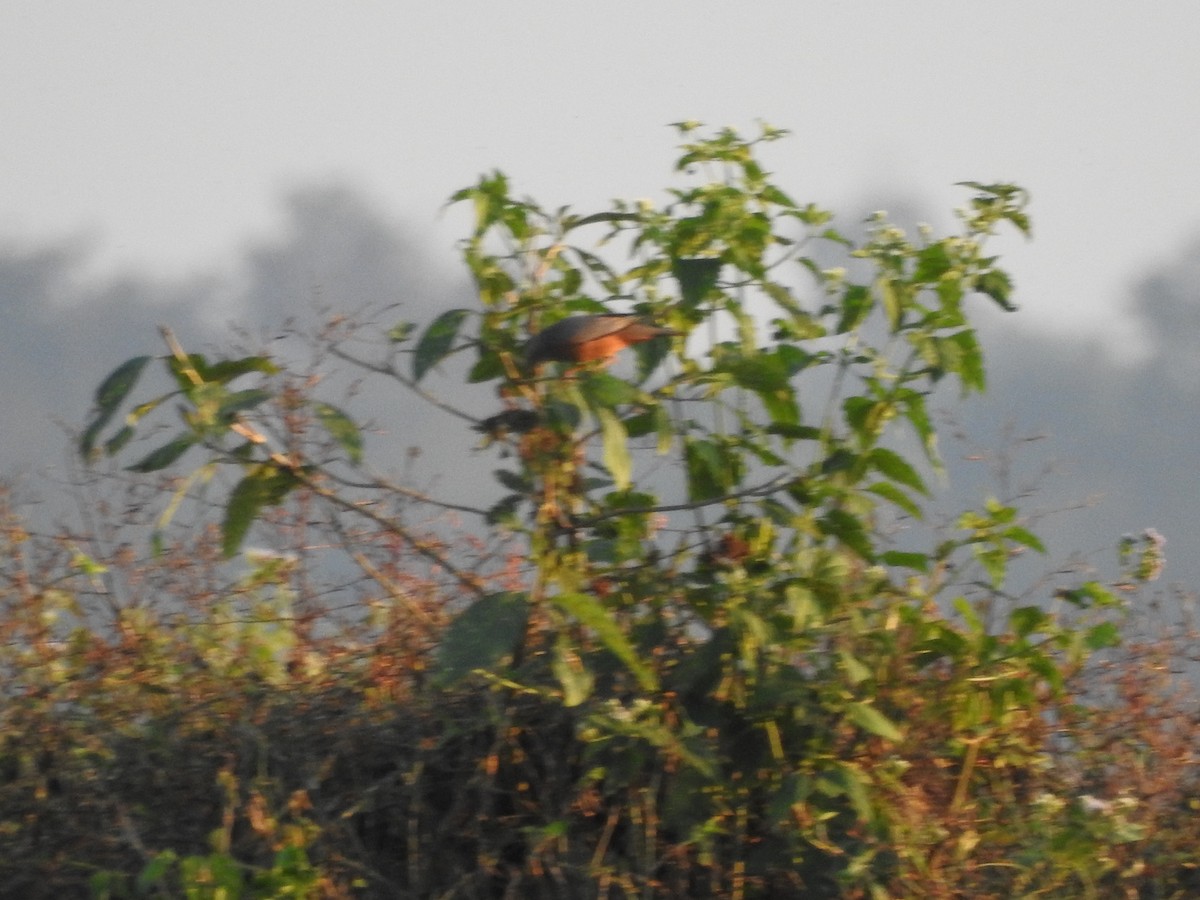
pixel 755 675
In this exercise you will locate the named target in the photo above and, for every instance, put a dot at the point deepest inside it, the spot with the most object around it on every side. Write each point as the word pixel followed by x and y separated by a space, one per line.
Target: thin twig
pixel 423 547
pixel 381 484
pixel 767 487
pixel 392 372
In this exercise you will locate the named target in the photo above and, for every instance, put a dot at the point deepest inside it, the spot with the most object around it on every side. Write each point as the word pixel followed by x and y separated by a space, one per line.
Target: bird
pixel 579 339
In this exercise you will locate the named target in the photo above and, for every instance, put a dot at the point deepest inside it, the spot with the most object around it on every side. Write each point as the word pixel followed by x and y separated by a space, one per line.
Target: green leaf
pixel 116 387
pixel 573 222
pixel 616 448
pixel 696 276
pixel 897 468
pixel 849 529
pixel 857 304
pixel 164 455
pixel 705 470
pixel 401 332
pixel 605 391
pixel 504 511
pixel 994 561
pixel 156 870
pixel 665 430
pixel 266 485
pixel 482 636
pixel 932 263
pixel 437 341
pixel 1025 537
pixel 514 481
pixel 917 561
pixel 847 779
pixel 793 432
pixel 109 396
pixel 970 364
pixel 225 370
pixel 918 417
pixel 996 284
pixel 893 305
pixel 576 679
pixel 487 367
pixel 889 491
pixel 1102 636
pixel 114 444
pixel 1089 594
pixel 867 417
pixel 87 441
pixel 871 720
pixel 855 670
pixel 342 429
pixel 760 372
pixel 1027 620
pixel 840 460
pixel 591 612
pixel 240 401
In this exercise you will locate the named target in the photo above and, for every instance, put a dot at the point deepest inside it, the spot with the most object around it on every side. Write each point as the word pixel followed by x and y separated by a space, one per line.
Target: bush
pixel 705 668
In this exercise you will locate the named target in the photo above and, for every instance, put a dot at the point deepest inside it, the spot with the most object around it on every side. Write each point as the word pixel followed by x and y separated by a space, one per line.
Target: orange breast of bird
pixel 585 338
pixel 604 347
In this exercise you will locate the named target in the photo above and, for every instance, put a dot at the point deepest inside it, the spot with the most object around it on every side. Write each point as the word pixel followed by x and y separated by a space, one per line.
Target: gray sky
pixel 166 131
pixel 174 154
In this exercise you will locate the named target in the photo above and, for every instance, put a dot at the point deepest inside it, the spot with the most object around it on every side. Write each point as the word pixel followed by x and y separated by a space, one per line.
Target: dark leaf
pixel 707 477
pixel 857 303
pixel 118 440
pixel 760 372
pixel 342 429
pixel 594 218
pixel 932 263
pixel 1103 635
pixel 781 406
pixel 87 441
pixel 265 485
pixel 240 401
pixel 513 481
pixel 897 468
pixel 116 387
pixel 1027 620
pixel 225 370
pixel 839 460
pixel 794 432
pixel 401 332
pixel 1025 537
pixel 650 356
pixel 591 612
pixel 916 561
pixel 997 285
pixel 437 341
pixel 696 276
pixel 486 368
pixel 889 491
pixel 483 636
pixel 604 391
pixel 109 396
pixel 504 511
pixel 164 455
pixel 871 720
pixel 848 529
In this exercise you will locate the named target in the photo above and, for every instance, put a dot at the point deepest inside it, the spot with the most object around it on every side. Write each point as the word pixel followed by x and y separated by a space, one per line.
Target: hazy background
pixel 232 163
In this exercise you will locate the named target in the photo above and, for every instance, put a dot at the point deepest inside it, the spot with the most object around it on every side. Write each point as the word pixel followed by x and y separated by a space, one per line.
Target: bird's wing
pixel 594 328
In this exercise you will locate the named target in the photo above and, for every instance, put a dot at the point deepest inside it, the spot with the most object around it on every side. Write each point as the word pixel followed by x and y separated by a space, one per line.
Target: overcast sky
pixel 150 149
pixel 166 131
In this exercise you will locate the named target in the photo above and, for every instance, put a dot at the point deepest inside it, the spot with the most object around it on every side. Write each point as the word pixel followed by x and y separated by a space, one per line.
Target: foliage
pixel 718 673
